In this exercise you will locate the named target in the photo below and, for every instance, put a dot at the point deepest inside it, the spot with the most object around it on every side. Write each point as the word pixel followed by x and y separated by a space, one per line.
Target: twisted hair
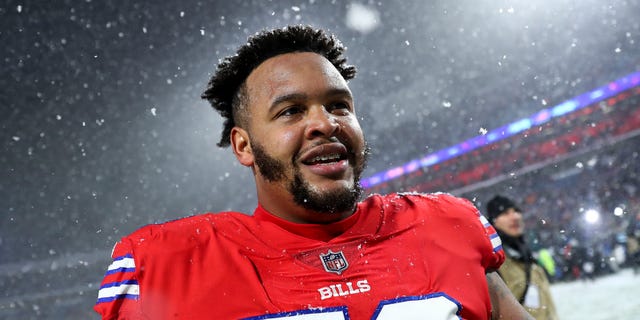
pixel 225 90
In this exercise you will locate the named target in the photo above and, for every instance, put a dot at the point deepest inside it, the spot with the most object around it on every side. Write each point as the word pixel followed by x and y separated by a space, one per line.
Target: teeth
pixel 327 157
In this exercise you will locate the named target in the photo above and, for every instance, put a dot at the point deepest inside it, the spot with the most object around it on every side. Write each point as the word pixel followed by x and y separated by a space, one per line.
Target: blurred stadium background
pixel 103 130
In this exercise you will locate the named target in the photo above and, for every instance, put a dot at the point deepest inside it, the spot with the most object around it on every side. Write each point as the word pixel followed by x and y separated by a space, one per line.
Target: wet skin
pixel 302 122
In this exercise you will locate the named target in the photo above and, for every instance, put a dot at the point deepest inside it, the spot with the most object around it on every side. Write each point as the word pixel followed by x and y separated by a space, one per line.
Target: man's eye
pixel 339 107
pixel 290 111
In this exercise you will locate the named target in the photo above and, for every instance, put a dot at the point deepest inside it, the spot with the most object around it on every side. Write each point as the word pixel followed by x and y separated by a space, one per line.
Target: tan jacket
pixel 538 301
pixel 632 245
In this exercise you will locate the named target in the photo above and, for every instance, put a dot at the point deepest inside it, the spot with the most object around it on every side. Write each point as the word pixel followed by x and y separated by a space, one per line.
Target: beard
pixel 304 194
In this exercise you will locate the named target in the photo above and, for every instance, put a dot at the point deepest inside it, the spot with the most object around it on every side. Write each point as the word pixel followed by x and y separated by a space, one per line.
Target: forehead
pixel 509 210
pixel 299 72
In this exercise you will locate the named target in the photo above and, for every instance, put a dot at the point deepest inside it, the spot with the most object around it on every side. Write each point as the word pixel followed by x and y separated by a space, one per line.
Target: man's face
pixel 304 136
pixel 510 222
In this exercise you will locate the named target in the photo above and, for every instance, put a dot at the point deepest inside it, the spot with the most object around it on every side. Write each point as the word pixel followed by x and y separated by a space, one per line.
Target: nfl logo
pixel 334 261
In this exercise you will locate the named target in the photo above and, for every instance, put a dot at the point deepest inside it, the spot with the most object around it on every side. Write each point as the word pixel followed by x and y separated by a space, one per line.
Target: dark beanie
pixel 498 205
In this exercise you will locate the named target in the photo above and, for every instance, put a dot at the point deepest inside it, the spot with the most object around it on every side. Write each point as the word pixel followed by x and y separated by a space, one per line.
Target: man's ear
pixel 241 146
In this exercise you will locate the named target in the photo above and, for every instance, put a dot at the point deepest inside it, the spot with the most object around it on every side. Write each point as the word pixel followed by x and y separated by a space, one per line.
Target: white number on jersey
pixel 437 306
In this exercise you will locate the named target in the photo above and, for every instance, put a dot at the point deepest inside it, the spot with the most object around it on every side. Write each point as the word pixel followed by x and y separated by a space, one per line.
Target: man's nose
pixel 321 123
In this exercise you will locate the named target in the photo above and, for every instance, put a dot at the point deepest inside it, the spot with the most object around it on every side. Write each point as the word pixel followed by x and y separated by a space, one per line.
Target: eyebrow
pixel 303 96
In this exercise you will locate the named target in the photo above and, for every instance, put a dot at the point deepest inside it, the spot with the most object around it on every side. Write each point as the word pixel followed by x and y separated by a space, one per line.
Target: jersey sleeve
pixel 494 256
pixel 480 234
pixel 118 297
pixel 493 261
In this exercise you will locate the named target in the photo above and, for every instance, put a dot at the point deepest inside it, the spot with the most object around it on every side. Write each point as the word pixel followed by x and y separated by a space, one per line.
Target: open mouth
pixel 329 159
pixel 324 153
pixel 325 159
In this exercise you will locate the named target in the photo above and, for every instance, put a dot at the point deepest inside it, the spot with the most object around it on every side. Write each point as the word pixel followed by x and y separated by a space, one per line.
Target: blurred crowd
pixel 590 128
pixel 588 223
pixel 577 177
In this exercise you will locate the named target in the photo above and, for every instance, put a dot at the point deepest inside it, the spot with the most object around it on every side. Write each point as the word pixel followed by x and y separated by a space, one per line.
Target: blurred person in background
pixel 525 278
pixel 633 244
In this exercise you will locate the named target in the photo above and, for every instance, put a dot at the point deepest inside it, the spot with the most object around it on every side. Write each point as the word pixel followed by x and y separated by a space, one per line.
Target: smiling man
pixel 301 110
pixel 312 248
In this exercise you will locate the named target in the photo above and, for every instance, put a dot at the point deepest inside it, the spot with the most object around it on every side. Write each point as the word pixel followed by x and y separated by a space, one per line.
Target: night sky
pixel 103 129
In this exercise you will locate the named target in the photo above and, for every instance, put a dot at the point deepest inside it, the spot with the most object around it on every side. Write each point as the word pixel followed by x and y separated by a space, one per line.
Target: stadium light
pixel 618 212
pixel 592 216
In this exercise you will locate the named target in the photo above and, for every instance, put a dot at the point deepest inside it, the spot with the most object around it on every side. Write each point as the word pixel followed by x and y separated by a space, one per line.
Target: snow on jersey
pixel 401 256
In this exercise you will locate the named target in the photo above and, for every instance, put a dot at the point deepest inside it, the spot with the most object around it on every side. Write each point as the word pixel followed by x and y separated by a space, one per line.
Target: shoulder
pixel 191 223
pixel 447 218
pixel 510 263
pixel 538 274
pixel 186 231
pixel 434 198
pixel 424 203
pixel 434 211
pixel 511 270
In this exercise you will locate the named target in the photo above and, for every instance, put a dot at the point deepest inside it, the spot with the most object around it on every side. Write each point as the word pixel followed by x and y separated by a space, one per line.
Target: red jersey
pixel 400 256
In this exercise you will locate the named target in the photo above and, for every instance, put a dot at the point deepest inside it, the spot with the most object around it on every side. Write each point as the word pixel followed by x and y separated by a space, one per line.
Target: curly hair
pixel 225 90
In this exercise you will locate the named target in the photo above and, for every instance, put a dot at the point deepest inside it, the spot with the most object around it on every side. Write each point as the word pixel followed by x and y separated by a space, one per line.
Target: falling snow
pixel 105 131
